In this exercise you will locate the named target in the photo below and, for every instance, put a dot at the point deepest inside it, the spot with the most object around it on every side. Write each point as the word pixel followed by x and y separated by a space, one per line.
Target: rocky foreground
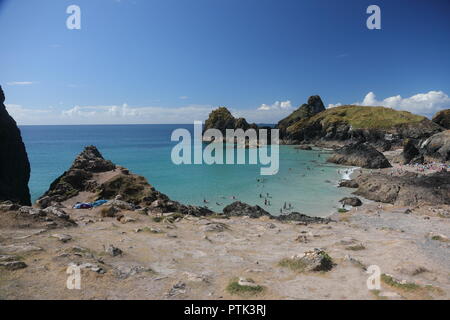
pixel 141 245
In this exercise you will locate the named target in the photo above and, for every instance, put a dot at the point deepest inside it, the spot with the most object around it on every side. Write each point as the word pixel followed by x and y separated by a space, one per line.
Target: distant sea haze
pixel 305 180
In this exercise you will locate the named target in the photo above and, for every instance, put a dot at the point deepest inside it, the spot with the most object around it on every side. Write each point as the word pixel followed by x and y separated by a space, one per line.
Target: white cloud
pixel 113 114
pixel 426 104
pixel 278 105
pixel 19 83
pixel 334 105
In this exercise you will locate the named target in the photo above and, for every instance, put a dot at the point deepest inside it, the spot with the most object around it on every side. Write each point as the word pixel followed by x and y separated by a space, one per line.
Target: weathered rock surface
pixel 239 209
pixel 300 217
pixel 361 155
pixel 351 201
pixel 222 119
pixel 315 260
pixel 437 147
pixel 348 184
pixel 406 190
pixel 442 118
pixel 91 173
pixel 14 164
pixel 411 153
pixel 307 110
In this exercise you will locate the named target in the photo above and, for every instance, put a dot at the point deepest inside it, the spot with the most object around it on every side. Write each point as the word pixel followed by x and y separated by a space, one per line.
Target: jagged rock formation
pixel 361 155
pixel 101 179
pixel 442 118
pixel 411 153
pixel 240 209
pixel 302 218
pixel 14 164
pixel 360 123
pixel 437 147
pixel 222 119
pixel 306 110
pixel 407 190
pixel 351 201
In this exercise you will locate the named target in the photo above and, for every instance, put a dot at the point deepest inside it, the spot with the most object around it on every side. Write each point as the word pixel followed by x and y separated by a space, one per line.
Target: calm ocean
pixel 305 179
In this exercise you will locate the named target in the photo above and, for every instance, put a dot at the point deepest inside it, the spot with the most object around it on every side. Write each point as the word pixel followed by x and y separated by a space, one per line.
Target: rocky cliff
pixel 92 178
pixel 14 164
pixel 361 155
pixel 222 119
pixel 360 123
pixel 306 110
pixel 437 147
pixel 442 118
pixel 407 190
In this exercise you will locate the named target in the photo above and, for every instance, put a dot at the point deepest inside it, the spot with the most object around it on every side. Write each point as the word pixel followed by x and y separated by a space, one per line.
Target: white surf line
pixel 346 174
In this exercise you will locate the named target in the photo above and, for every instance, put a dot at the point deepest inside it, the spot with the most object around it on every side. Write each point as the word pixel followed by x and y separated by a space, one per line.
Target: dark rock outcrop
pixel 14 164
pixel 306 110
pixel 442 118
pixel 222 119
pixel 240 209
pixel 406 190
pixel 300 217
pixel 411 153
pixel 361 155
pixel 101 178
pixel 348 184
pixel 78 178
pixel 437 147
pixel 351 201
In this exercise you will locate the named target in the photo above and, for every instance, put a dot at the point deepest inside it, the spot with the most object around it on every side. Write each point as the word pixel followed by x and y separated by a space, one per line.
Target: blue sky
pixel 167 61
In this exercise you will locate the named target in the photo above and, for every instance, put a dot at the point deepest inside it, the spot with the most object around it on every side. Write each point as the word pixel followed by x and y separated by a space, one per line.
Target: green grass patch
pixel 299 265
pixel 342 210
pixel 357 247
pixel 236 289
pixel 409 286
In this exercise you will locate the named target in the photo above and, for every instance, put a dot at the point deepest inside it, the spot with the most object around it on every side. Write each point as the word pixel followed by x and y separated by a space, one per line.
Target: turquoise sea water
pixel 305 179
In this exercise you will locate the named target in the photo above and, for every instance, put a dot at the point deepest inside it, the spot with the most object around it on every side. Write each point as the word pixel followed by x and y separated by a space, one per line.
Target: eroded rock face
pixel 361 155
pixel 239 209
pixel 78 178
pixel 411 153
pixel 14 164
pixel 407 190
pixel 437 146
pixel 90 172
pixel 442 118
pixel 351 201
pixel 306 110
pixel 222 119
pixel 300 217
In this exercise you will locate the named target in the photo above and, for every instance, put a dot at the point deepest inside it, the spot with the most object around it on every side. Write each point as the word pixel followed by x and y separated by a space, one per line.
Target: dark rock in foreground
pixel 91 173
pixel 240 209
pixel 351 201
pixel 437 147
pixel 348 184
pixel 14 164
pixel 300 217
pixel 406 190
pixel 411 153
pixel 361 155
